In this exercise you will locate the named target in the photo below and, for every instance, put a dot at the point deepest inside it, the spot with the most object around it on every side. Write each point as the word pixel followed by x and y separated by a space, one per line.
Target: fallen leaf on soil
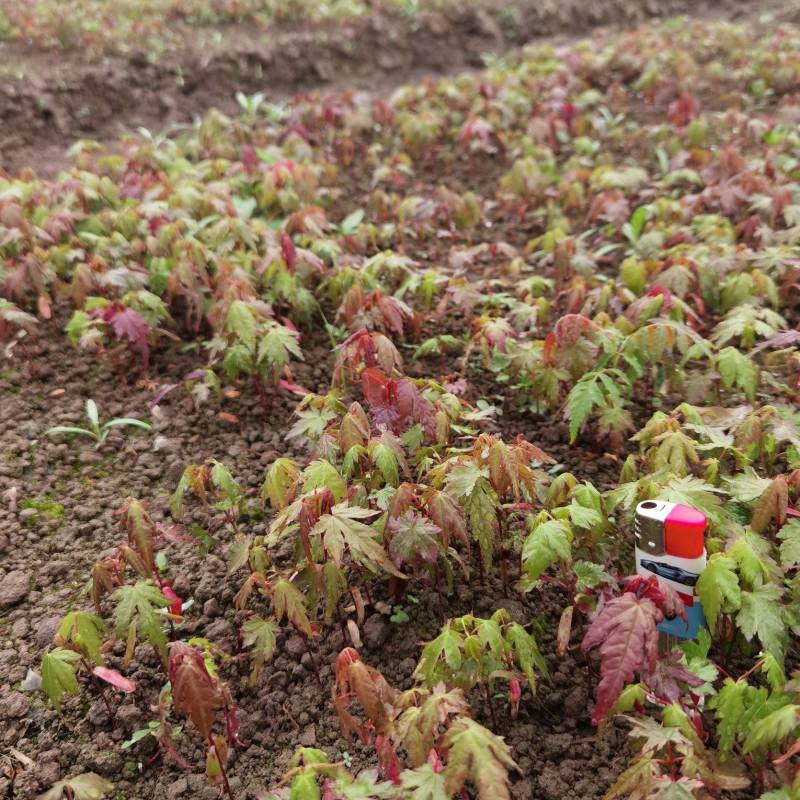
pixel 115 679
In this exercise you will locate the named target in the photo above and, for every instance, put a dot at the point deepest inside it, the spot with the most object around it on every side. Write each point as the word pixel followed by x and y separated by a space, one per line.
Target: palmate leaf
pixel 447 515
pixel 194 692
pixel 259 634
pixel 418 725
pixel 718 587
pixel 139 603
pixel 131 325
pixel 729 707
pixel 625 631
pixel 366 786
pixel 761 615
pixel 547 543
pixel 746 486
pixel 747 322
pixel 440 657
pixel 768 733
pixel 85 631
pixel 653 342
pixel 321 474
pixel 58 674
pixel 462 479
pixel 288 602
pixel 477 756
pixel 789 535
pixel 692 491
pixel 342 528
pixel 481 510
pixel 423 783
pixel 752 556
pixel 386 461
pixel 280 483
pixel 771 505
pixel 414 538
pixel 583 398
pixel 277 346
pixel 737 370
pixel 636 780
pixel 241 323
pixel 87 786
pixel 529 657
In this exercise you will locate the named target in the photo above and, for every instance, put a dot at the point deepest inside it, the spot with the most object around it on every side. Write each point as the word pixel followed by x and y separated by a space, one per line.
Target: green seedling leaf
pixel 58 674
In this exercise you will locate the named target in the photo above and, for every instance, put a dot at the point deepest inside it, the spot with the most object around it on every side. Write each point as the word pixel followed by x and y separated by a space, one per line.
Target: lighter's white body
pixel 659 514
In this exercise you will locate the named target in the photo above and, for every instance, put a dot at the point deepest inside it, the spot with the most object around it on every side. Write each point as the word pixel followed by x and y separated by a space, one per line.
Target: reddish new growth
pixel 625 630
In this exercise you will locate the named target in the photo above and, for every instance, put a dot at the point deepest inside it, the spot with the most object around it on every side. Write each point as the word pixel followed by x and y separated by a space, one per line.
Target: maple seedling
pixel 203 697
pixel 476 652
pixel 430 729
pixel 97 430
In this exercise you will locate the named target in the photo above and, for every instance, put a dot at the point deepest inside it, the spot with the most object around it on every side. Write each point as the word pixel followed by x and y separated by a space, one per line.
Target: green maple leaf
pixel 747 486
pixel 414 538
pixel 528 654
pixel 259 634
pixel 751 554
pixel 476 755
pixel 289 602
pixel 588 575
pixel 242 323
pixel 87 786
pixel 761 615
pixel 139 603
pixel 442 656
pixel 423 783
pixel 58 674
pixel 547 543
pixel 277 346
pixel 718 587
pixel 675 452
pixel 224 482
pixel 462 479
pixel 86 631
pixel 640 776
pixel 782 794
pixel 583 517
pixel 584 396
pixel 480 507
pixel 691 491
pixel 384 458
pixel 279 482
pixel 789 535
pixel 729 706
pixel 737 370
pixel 304 787
pixel 676 791
pixel 768 733
pixel 772 668
pixel 321 474
pixel 343 528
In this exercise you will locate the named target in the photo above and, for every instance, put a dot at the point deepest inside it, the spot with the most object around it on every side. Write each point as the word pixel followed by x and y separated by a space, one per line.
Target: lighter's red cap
pixel 684 527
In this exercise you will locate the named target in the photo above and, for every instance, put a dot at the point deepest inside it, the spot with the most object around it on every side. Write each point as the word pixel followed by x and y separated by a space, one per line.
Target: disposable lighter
pixel 670 544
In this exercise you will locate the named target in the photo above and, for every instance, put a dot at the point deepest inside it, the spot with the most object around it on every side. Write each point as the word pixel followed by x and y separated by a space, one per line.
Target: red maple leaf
pixel 625 630
pixel 127 324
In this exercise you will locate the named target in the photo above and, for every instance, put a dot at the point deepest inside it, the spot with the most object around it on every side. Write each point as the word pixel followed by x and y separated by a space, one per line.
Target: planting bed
pixel 98 69
pixel 387 375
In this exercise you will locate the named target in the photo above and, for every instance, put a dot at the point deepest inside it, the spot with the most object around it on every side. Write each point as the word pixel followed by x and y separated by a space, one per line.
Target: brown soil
pixel 50 99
